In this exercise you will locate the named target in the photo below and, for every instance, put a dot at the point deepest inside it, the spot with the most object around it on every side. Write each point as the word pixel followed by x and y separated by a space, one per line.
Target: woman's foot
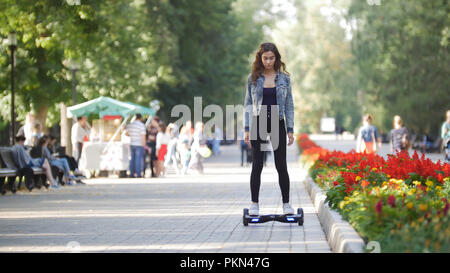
pixel 254 209
pixel 287 209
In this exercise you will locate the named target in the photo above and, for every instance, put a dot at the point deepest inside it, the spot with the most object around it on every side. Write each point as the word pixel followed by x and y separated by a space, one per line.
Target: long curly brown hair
pixel 258 67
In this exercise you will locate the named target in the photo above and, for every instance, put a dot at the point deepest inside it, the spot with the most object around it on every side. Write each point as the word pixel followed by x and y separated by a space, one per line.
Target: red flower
pixel 379 207
pixel 440 178
pixel 349 190
pixel 391 200
pixel 335 183
pixel 446 209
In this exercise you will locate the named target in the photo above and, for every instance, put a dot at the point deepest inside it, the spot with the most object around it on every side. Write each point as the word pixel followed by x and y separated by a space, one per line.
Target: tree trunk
pixel 66 126
pixel 41 116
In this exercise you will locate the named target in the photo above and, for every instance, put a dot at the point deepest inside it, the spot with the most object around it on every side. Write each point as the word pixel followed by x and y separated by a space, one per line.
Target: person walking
pixel 171 156
pixel 152 132
pixel 368 137
pixel 184 148
pixel 136 131
pixel 198 141
pixel 399 137
pixel 445 135
pixel 269 85
pixel 162 141
pixel 80 130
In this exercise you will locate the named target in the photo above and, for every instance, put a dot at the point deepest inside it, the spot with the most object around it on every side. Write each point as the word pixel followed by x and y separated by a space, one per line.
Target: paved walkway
pixel 193 213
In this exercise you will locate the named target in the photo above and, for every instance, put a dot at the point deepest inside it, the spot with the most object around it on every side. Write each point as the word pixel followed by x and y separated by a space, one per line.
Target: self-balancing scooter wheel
pixel 244 218
pixel 300 220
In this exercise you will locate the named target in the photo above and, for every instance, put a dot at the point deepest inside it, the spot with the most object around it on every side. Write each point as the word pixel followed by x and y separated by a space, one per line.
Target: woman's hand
pixel 291 138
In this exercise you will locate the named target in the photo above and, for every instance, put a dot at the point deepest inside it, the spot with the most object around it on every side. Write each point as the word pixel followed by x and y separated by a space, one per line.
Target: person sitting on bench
pixel 23 159
pixel 60 163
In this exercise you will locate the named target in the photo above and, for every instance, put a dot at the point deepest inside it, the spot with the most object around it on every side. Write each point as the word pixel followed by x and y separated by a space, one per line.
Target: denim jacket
pixel 254 97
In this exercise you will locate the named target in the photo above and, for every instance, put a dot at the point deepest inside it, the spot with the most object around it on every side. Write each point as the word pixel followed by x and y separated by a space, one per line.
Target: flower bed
pixel 401 202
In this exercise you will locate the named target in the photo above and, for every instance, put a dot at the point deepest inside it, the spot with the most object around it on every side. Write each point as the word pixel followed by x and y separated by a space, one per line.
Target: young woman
pixel 171 156
pixel 162 140
pixel 60 163
pixel 152 131
pixel 367 137
pixel 198 141
pixel 399 137
pixel 268 86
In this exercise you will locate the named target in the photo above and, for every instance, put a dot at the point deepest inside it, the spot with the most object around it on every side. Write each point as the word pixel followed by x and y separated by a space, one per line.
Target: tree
pixel 402 53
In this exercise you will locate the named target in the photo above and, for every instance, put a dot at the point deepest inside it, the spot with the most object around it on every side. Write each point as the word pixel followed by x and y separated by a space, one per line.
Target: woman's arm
pixel 289 106
pixel 247 105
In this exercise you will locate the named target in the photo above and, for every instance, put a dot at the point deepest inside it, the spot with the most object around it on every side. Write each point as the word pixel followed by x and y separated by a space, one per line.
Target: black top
pixel 269 97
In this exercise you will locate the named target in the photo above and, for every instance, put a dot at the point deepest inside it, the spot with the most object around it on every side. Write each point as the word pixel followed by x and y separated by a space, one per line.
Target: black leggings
pixel 280 162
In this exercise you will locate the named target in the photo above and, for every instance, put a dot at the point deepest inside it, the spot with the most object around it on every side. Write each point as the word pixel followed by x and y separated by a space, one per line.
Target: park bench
pixel 8 161
pixel 5 173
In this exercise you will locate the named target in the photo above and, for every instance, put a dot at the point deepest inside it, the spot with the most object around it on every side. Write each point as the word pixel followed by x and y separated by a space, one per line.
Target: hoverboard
pixel 284 218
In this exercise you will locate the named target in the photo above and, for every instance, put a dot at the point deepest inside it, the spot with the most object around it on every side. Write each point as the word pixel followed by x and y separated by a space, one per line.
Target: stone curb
pixel 341 236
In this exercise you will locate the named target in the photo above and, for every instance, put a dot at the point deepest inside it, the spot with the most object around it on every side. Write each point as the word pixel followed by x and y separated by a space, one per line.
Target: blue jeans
pixel 216 147
pixel 137 161
pixel 62 164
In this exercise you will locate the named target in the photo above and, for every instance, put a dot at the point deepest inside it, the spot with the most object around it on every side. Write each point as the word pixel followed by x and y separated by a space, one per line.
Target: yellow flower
pixel 374 169
pixel 346 198
pixel 410 205
pixel 358 178
pixel 411 192
pixel 417 183
pixel 429 183
pixel 423 207
pixel 428 189
pixel 342 204
pixel 388 176
pixel 438 188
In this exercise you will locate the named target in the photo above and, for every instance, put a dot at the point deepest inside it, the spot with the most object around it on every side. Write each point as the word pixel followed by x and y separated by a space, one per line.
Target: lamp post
pixel 12 43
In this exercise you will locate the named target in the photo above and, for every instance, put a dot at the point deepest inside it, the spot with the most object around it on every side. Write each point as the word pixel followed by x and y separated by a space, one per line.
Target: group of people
pixel 33 149
pixel 166 145
pixel 369 140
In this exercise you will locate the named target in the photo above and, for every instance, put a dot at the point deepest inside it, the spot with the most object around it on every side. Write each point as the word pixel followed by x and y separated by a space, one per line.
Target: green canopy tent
pixel 103 106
